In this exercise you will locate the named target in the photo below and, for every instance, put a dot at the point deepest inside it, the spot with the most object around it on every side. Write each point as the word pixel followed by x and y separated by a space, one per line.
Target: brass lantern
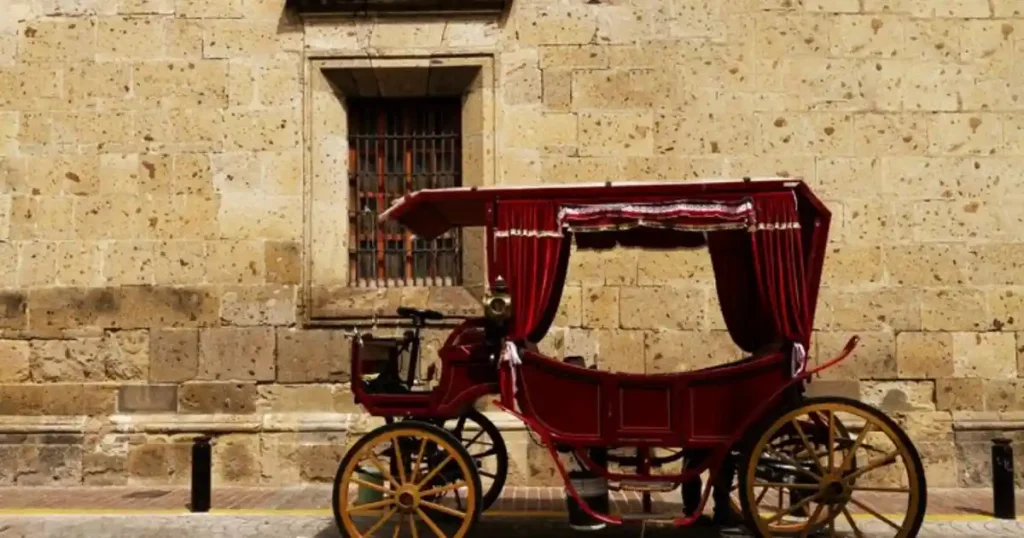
pixel 498 302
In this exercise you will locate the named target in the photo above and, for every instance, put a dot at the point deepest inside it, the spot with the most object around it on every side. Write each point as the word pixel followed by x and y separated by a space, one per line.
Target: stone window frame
pixel 327 297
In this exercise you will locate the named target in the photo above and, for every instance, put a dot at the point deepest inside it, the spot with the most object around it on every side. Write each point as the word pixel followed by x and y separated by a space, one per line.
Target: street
pixel 293 525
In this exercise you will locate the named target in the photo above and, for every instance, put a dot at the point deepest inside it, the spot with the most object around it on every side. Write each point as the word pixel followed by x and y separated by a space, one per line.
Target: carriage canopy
pixel 766 239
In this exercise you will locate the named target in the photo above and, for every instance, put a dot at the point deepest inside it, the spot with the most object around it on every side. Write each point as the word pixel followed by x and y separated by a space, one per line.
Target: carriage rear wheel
pixel 873 485
pixel 483 440
pixel 390 483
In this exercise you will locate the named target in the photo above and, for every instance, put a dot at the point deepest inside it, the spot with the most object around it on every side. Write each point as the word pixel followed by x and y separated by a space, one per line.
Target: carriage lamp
pixel 498 302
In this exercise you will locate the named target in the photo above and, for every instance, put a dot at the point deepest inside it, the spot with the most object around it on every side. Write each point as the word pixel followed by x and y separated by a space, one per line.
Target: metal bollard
pixel 201 463
pixel 1004 505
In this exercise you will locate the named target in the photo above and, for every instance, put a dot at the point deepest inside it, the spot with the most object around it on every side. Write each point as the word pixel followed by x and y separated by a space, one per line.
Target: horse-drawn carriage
pixel 802 464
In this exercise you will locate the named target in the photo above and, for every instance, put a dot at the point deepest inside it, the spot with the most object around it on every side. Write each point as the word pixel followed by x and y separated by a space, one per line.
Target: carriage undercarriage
pixel 784 464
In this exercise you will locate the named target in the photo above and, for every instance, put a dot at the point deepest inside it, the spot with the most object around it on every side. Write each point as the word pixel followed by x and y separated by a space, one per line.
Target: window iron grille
pixel 397 146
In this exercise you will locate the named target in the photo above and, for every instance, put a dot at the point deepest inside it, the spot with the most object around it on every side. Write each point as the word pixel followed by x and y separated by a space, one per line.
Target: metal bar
pixel 381 185
pixel 406 113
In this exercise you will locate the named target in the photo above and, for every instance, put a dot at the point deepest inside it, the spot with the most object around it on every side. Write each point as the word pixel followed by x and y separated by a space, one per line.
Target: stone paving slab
pixel 214 526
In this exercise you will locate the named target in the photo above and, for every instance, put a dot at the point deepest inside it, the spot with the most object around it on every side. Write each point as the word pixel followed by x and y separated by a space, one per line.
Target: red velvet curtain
pixel 530 256
pixel 760 276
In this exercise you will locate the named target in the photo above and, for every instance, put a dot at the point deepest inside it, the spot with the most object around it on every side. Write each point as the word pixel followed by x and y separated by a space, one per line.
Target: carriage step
pixel 649 487
pixel 649 517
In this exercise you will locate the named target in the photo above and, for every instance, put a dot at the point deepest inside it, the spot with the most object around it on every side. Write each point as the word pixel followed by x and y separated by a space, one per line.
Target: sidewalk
pixel 950 504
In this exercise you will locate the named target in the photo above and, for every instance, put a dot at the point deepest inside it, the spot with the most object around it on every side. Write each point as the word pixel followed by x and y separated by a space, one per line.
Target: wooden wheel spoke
pixel 412 527
pixel 419 460
pixel 443 489
pixel 761 497
pixel 430 523
pixel 875 513
pixel 831 440
pixel 443 509
pixel 371 485
pixel 434 471
pixel 880 489
pixel 486 453
pixel 785 485
pixel 793 507
pixel 853 524
pixel 871 466
pixel 376 505
pixel 811 520
pixel 398 458
pixel 807 445
pixel 383 469
pixel 851 454
pixel 398 528
pixel 380 523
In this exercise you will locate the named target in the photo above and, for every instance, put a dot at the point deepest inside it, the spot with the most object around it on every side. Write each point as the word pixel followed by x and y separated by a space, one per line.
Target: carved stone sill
pixel 404 7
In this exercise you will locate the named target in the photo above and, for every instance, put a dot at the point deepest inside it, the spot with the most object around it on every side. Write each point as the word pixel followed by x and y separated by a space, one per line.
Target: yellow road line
pixel 326 512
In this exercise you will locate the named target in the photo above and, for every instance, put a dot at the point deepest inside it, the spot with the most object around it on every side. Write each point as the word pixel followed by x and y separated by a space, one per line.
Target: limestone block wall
pixel 172 194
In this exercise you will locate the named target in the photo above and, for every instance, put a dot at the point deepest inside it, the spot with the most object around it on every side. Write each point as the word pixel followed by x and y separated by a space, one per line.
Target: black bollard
pixel 1004 505
pixel 201 463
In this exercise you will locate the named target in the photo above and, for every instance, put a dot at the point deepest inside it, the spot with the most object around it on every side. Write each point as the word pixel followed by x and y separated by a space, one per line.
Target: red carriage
pixel 802 464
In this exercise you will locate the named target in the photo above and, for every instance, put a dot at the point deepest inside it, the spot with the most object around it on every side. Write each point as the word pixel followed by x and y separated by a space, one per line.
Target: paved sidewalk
pixel 314 500
pixel 304 512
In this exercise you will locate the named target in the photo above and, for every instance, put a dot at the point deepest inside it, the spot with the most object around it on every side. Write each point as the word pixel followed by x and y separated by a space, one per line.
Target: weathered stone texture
pixel 161 198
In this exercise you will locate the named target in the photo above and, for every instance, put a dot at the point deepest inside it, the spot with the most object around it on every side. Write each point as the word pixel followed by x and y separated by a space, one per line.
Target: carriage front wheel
pixel 869 481
pixel 390 483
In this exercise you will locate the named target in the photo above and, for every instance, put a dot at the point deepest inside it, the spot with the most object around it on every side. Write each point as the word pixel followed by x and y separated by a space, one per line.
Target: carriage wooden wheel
pixel 417 463
pixel 874 485
pixel 483 441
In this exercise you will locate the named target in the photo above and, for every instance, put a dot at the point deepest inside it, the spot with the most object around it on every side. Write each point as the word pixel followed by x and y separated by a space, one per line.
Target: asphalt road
pixel 297 526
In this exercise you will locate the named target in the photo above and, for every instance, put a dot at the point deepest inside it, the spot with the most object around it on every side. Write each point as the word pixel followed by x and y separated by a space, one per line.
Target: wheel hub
pixel 833 491
pixel 407 500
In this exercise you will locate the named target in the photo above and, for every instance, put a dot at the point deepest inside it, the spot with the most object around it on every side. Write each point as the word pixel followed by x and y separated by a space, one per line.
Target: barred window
pixel 397 146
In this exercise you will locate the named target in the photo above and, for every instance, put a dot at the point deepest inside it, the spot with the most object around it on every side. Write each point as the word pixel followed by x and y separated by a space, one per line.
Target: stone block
pixel 570 308
pixel 601 307
pixel 57 399
pixel 924 354
pixel 83 359
pixel 1003 395
pixel 306 398
pixel 283 262
pixel 14 306
pixel 201 9
pixel 127 354
pixel 960 394
pixel 41 217
pixel 927 264
pixel 106 217
pixel 312 355
pixel 782 34
pixel 179 262
pixel 235 262
pixel 174 355
pixel 125 307
pixel 160 461
pixel 943 220
pixel 668 308
pixel 900 396
pixel 236 460
pixel 541 469
pixel 37 263
pixel 258 216
pixel 842 177
pixel 852 265
pixel 233 398
pixel 319 462
pixel 954 310
pixel 825 387
pixel 548 131
pixel 878 36
pixel 258 305
pixel 620 351
pixel 890 134
pixel 984 355
pixel 573 57
pixel 270 129
pixel 582 343
pixel 873 358
pixel 619 133
pixel 14 361
pixel 557 25
pixel 692 133
pixel 128 262
pixel 104 459
pixel 129 38
pixel 880 309
pixel 965 134
pixel 680 351
pixel 577 170
pixel 147 399
pixel 995 263
pixel 820 133
pixel 57 40
pixel 49 465
pixel 237 354
pixel 79 263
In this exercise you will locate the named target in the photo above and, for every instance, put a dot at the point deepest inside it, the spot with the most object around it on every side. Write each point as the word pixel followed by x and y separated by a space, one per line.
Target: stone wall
pixel 171 173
